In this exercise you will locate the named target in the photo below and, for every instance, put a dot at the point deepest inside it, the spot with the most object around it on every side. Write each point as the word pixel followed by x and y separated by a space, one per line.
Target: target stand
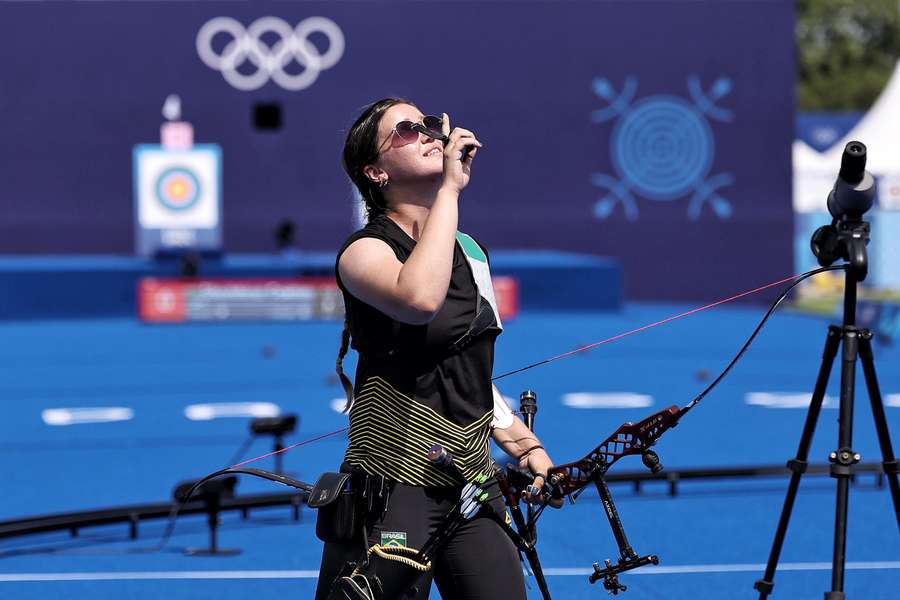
pixel 177 193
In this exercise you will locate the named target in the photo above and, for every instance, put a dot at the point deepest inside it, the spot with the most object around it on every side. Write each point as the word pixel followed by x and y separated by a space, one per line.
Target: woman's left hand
pixel 519 442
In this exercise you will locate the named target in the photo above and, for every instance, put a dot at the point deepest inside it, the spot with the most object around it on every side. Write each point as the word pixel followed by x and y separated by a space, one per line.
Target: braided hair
pixel 339 364
pixel 360 150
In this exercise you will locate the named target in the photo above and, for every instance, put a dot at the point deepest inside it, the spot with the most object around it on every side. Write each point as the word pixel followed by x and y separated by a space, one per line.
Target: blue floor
pixel 713 539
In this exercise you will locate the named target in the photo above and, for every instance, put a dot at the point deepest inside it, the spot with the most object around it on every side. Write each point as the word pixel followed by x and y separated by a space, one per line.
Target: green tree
pixel 847 50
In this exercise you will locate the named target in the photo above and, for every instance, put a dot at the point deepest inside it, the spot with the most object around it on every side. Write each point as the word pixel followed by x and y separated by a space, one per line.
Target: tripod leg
pixel 798 465
pixel 213 531
pixel 890 463
pixel 843 459
pixel 279 457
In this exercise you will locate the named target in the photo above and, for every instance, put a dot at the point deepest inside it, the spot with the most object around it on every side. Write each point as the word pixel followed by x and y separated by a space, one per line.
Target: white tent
pixel 879 130
pixel 814 175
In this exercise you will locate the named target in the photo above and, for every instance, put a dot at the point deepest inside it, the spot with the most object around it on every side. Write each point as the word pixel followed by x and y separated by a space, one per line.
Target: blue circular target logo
pixel 178 188
pixel 662 147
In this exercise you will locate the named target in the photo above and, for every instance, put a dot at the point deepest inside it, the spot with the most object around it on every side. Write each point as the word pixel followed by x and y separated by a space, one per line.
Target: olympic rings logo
pixel 269 62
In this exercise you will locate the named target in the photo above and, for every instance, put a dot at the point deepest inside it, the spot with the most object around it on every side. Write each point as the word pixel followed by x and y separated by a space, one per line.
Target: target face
pixel 178 188
pixel 662 148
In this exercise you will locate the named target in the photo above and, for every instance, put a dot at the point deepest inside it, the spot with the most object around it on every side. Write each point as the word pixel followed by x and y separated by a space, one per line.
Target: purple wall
pixel 81 83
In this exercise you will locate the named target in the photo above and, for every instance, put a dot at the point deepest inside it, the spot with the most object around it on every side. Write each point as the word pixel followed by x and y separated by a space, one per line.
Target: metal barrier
pixel 134 514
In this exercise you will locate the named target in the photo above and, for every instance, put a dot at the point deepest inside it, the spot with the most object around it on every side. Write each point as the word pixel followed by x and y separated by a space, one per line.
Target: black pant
pixel 479 562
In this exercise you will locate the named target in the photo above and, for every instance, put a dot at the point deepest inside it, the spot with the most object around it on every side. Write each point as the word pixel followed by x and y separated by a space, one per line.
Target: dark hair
pixel 361 149
pixel 339 363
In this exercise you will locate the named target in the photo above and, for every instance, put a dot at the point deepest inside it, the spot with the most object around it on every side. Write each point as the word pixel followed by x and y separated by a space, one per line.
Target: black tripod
pixel 847 239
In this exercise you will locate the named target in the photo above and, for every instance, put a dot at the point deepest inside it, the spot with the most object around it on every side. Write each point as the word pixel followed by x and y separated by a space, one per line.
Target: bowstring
pixel 796 279
pixel 619 336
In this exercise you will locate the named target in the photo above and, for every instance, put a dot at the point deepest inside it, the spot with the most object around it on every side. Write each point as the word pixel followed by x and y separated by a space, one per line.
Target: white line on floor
pixel 559 572
pixel 607 400
pixel 737 568
pixel 219 410
pixel 80 416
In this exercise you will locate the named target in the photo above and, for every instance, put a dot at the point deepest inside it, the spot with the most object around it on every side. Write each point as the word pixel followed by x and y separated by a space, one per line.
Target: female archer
pixel 421 313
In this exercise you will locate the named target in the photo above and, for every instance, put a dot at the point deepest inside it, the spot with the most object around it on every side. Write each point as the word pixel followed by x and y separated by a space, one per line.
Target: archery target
pixel 177 189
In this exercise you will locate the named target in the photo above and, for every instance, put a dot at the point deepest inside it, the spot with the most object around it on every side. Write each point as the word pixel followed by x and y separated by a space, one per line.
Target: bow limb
pixel 277 478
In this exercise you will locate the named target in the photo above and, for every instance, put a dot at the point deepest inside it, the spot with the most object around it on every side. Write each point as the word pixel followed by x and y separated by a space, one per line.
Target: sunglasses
pixel 408 131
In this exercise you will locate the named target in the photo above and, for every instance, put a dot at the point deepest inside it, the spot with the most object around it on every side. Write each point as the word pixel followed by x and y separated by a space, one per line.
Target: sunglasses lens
pixel 405 131
pixel 433 123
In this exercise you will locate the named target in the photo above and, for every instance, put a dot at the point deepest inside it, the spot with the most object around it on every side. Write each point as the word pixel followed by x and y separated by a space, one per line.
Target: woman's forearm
pixel 522 445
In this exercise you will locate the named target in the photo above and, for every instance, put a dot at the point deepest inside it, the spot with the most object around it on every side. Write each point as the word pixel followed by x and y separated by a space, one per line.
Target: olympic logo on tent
pixel 178 188
pixel 246 47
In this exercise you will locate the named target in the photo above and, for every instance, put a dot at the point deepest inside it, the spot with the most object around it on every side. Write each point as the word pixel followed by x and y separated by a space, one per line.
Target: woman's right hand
pixel 458 162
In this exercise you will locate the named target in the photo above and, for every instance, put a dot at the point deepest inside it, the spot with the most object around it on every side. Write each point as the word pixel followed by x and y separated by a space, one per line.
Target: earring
pixel 382 183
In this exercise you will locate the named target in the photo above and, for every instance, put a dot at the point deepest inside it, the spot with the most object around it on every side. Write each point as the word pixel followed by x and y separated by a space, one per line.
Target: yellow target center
pixel 178 190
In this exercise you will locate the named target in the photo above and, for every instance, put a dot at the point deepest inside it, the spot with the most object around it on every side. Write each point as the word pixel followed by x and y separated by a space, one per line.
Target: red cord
pixel 570 353
pixel 670 319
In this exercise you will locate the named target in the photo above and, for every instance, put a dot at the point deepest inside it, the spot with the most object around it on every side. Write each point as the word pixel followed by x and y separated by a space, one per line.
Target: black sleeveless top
pixel 412 388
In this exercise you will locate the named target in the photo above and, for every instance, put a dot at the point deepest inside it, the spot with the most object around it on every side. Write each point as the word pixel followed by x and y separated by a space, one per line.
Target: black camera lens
pixel 853 163
pixel 854 191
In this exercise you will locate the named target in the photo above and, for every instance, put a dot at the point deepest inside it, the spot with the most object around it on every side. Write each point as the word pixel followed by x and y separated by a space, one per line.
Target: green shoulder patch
pixel 470 247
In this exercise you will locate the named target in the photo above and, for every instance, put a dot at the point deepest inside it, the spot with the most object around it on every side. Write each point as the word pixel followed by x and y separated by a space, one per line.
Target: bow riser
pixel 628 439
